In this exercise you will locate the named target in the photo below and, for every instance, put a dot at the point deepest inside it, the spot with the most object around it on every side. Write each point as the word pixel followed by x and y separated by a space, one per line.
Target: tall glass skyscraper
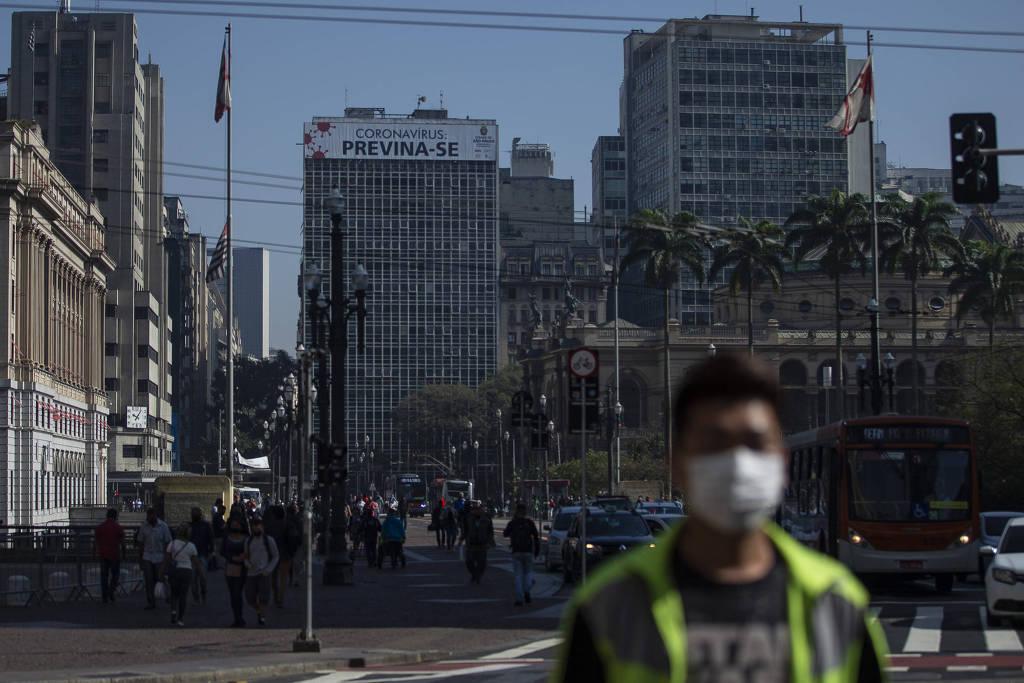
pixel 421 195
pixel 725 117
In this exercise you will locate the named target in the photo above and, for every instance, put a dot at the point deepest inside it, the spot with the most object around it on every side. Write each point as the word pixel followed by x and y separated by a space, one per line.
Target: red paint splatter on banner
pixel 323 126
pixel 307 139
pixel 319 155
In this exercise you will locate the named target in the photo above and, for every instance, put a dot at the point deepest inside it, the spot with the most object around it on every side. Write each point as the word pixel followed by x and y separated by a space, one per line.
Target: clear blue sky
pixel 558 88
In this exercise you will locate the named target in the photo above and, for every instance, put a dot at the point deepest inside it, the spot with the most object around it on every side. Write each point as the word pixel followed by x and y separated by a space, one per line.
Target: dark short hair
pixel 112 513
pixel 726 378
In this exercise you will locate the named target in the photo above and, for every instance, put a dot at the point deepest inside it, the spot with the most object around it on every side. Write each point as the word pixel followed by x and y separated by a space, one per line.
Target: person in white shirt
pixel 262 556
pixel 152 539
pixel 181 561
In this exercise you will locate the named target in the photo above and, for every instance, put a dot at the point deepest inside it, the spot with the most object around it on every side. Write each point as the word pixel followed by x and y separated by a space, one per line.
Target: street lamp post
pixel 501 460
pixel 877 383
pixel 476 462
pixel 505 438
pixel 712 350
pixel 451 460
pixel 547 456
pixel 539 427
pixel 872 377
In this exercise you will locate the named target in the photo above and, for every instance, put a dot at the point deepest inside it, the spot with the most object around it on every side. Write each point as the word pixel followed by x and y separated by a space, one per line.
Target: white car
pixel 1004 579
pixel 992 526
pixel 555 534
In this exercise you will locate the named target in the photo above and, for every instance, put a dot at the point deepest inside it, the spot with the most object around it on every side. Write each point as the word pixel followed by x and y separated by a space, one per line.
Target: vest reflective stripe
pixel 635 615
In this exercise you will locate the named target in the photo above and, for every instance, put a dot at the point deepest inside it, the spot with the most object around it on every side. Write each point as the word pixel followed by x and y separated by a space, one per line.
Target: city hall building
pixel 421 214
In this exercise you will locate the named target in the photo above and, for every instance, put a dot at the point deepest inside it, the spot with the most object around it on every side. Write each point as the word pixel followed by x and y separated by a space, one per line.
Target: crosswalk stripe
pixel 926 631
pixel 1000 639
pixel 524 650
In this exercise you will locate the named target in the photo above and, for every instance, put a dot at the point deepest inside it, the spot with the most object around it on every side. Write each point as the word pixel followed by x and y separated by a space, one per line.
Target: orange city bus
pixel 887 495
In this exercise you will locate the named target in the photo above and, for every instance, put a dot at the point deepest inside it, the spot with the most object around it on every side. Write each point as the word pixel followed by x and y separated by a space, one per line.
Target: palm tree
pixel 755 253
pixel 663 245
pixel 914 238
pixel 988 279
pixel 833 229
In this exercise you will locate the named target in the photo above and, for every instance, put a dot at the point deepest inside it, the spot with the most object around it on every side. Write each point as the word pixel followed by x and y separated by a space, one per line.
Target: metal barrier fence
pixel 43 564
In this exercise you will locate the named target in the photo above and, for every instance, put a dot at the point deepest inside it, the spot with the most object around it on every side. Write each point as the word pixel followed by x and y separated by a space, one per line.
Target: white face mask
pixel 735 490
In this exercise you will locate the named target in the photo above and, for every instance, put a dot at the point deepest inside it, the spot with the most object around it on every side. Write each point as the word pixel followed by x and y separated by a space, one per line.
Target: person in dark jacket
pixel 371 532
pixel 201 536
pixel 435 522
pixel 233 551
pixel 273 526
pixel 525 542
pixel 450 526
pixel 478 533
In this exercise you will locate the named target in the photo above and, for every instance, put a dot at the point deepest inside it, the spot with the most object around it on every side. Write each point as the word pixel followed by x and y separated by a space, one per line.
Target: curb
pixel 233 671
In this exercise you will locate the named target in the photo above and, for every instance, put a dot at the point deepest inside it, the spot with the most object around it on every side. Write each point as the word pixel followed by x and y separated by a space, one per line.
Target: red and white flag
pixel 859 103
pixel 223 84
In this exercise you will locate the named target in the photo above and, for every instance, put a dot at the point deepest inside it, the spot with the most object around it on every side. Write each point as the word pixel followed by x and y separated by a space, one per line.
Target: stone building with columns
pixel 53 278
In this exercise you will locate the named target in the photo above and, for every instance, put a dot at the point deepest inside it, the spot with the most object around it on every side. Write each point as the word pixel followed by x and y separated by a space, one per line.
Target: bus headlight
pixel 964 539
pixel 856 538
pixel 1004 576
pixel 591 548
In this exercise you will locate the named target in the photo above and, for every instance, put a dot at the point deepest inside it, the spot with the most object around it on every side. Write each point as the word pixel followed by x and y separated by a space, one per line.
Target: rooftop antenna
pixel 420 100
pixel 346 98
pixel 65 6
pixel 442 99
pixel 801 14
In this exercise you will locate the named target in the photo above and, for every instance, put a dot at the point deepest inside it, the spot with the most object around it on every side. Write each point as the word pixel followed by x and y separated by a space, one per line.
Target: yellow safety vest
pixel 635 616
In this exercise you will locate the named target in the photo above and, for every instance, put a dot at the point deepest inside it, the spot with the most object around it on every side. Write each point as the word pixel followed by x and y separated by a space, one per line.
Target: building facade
pixel 421 214
pixel 724 117
pixel 535 206
pixel 101 113
pixel 53 426
pixel 188 302
pixel 251 277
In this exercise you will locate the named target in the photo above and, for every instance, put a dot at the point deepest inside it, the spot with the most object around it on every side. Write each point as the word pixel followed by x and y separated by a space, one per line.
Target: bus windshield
pixel 458 486
pixel 412 488
pixel 910 485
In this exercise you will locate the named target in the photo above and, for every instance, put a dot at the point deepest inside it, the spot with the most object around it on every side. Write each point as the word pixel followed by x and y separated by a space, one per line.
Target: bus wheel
pixel 944 583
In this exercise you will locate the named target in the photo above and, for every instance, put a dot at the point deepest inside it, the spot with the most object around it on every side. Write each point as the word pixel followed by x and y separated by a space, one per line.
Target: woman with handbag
pixel 179 564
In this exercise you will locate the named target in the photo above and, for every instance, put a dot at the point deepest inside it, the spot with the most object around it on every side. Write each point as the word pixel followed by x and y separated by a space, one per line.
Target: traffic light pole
pixel 338 566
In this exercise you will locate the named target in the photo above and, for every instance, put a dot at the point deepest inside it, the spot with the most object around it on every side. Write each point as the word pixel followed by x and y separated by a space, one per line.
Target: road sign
pixel 583 363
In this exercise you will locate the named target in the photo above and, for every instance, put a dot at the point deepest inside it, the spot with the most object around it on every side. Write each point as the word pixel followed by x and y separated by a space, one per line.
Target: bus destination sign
pixel 907 433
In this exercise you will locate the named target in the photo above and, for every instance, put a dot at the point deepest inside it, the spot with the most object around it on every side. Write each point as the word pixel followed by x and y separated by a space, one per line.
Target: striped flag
pixel 859 103
pixel 223 84
pixel 218 261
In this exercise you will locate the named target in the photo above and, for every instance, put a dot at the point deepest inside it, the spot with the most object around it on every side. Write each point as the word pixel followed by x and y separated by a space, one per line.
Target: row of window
pixel 764 79
pixel 753 122
pixel 752 53
pixel 758 100
pixel 805 145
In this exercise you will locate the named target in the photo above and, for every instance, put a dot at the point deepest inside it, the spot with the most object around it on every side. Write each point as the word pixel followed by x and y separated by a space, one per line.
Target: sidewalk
pixel 427 610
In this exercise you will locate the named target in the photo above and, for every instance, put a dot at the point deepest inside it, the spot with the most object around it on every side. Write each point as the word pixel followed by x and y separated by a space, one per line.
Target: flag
pixel 32 38
pixel 223 84
pixel 219 259
pixel 859 103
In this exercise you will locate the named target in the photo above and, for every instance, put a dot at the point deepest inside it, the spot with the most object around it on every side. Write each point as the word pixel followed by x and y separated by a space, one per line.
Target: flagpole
pixel 229 273
pixel 876 352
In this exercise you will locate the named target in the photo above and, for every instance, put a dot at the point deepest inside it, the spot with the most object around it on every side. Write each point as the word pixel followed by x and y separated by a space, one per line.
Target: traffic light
pixel 975 176
pixel 331 470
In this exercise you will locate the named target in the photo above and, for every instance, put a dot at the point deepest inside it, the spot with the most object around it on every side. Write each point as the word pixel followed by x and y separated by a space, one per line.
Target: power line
pixel 233 181
pixel 334 7
pixel 472 25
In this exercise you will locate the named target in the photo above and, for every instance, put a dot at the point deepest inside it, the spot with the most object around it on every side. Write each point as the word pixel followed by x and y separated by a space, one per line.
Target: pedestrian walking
pixel 403 511
pixel 435 524
pixel 289 549
pixel 232 549
pixel 109 538
pixel 450 526
pixel 355 531
pixel 727 595
pixel 273 526
pixel 181 561
pixel 393 536
pixel 201 536
pixel 152 539
pixel 479 538
pixel 371 532
pixel 525 542
pixel 261 557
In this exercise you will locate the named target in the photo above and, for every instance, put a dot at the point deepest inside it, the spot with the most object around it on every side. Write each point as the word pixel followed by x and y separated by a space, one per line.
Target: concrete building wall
pixel 251 279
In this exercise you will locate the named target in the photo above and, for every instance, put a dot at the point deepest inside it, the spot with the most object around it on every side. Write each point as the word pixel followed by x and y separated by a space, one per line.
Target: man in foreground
pixel 727 595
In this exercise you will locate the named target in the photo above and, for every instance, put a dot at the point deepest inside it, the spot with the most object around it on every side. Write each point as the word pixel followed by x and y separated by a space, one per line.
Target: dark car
pixel 608 533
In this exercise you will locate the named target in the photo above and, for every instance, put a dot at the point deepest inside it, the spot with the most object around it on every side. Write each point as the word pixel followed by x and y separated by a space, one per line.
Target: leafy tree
pixel 755 254
pixel 915 239
pixel 988 278
pixel 834 230
pixel 663 246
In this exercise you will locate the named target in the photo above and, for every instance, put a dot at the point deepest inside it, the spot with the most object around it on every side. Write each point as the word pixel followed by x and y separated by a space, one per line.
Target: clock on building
pixel 137 417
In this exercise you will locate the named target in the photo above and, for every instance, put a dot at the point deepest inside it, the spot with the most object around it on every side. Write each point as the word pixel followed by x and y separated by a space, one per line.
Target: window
pixel 846 304
pixel 806 306
pixel 511 293
pixel 41 78
pixel 100 165
pixel 101 193
pixel 41 108
pixel 110 349
pixel 110 310
pixel 101 135
pixel 112 384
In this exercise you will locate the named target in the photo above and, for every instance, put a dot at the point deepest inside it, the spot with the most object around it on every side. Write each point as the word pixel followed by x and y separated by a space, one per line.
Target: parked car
pixel 1004 579
pixel 555 533
pixel 659 524
pixel 992 526
pixel 617 503
pixel 608 533
pixel 660 507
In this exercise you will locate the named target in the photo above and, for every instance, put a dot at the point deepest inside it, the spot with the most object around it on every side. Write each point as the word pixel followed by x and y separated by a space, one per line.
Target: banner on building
pixel 401 139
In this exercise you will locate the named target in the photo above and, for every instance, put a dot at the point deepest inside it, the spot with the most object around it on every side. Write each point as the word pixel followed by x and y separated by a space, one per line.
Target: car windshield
pixel 563 521
pixel 994 525
pixel 910 485
pixel 662 510
pixel 1013 541
pixel 616 525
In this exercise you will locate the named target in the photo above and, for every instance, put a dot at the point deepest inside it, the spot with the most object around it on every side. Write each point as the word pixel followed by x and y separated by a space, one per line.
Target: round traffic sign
pixel 583 363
